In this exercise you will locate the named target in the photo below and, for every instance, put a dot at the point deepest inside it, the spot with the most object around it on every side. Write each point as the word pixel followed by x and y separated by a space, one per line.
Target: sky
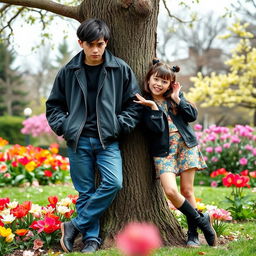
pixel 27 37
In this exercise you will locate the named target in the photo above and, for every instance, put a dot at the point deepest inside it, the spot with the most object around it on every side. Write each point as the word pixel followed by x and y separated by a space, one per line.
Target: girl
pixel 173 145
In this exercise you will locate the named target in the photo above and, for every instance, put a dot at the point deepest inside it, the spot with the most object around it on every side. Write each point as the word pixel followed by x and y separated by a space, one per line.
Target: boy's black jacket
pixel 158 130
pixel 66 107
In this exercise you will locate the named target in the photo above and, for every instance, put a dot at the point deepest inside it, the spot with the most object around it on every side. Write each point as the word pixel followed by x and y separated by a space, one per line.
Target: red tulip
pixel 48 225
pixel 228 180
pixel 20 211
pixel 53 199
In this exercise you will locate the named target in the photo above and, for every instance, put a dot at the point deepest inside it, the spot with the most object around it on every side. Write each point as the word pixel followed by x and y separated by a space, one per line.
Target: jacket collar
pixel 78 61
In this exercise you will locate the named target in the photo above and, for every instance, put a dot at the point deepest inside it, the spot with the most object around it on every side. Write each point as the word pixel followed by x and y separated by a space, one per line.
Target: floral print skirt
pixel 180 158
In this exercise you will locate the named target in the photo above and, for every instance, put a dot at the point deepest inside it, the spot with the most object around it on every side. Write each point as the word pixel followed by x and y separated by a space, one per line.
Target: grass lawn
pixel 244 234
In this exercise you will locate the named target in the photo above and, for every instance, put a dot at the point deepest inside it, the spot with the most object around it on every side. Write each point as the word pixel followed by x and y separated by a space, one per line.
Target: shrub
pixel 10 127
pixel 227 149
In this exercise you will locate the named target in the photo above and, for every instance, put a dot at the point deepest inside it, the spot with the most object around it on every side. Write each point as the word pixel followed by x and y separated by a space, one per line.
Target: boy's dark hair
pixel 93 29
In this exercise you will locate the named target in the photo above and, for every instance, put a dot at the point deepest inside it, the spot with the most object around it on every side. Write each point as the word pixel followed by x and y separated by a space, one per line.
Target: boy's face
pixel 93 51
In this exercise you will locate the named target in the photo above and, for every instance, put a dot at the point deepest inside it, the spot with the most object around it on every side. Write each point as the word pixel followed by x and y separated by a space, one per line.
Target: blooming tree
pixel 236 88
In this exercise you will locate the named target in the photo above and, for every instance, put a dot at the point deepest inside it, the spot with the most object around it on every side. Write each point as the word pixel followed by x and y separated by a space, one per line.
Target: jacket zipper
pixel 97 113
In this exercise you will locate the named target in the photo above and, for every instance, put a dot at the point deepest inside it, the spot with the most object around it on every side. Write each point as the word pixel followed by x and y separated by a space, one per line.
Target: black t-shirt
pixel 92 74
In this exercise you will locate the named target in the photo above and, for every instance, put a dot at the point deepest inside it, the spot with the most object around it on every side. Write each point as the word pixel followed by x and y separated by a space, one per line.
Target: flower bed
pixel 21 165
pixel 31 226
pixel 227 150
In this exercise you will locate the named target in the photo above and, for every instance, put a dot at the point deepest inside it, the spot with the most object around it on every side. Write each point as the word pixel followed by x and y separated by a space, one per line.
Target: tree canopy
pixel 238 86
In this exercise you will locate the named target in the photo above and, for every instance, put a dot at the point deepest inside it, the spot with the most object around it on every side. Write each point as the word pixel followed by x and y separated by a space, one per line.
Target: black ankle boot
pixel 193 240
pixel 69 233
pixel 203 221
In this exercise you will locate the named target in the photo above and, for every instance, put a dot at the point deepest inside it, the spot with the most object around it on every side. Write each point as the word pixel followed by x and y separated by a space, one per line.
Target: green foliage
pixel 12 94
pixel 10 127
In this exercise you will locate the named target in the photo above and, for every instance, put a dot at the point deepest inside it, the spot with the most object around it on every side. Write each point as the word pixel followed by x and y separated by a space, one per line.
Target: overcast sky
pixel 27 37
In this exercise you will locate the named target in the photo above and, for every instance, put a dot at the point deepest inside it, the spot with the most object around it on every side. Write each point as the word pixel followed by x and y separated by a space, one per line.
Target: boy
pixel 91 104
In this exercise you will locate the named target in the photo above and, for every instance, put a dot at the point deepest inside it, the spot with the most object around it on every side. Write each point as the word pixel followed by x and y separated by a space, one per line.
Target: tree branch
pixel 10 21
pixel 48 5
pixel 4 7
pixel 173 16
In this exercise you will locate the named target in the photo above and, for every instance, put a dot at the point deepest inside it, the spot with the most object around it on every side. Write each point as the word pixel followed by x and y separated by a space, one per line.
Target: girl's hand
pixel 176 87
pixel 143 101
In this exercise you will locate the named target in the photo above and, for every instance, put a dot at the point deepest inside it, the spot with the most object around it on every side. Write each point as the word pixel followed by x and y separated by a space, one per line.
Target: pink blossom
pixel 243 131
pixel 220 214
pixel 225 136
pixel 138 239
pixel 254 152
pixel 198 127
pixel 226 145
pixel 38 243
pixel 215 159
pixel 211 137
pixel 235 139
pixel 248 147
pixel 209 149
pixel 243 161
pixel 214 184
pixel 218 149
pixel 36 125
pixel 205 158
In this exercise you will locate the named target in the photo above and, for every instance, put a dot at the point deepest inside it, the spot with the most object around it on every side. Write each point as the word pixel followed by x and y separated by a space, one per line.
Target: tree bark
pixel 133 25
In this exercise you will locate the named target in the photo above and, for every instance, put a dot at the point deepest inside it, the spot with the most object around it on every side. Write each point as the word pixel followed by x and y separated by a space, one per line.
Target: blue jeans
pixel 92 201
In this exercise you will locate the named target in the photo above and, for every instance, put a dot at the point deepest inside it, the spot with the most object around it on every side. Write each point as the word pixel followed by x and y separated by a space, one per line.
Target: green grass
pixel 38 195
pixel 245 230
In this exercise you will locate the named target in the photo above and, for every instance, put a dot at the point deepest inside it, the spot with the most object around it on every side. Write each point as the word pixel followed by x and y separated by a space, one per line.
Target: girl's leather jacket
pixel 158 130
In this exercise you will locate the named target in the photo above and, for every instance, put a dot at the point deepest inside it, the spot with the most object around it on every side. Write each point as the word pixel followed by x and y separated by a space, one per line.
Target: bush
pixel 10 127
pixel 232 149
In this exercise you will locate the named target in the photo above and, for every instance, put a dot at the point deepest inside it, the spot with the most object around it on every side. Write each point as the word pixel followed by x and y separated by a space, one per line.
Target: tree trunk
pixel 133 39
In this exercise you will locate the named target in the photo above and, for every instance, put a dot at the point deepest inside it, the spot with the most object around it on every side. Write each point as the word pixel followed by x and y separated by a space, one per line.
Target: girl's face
pixel 158 86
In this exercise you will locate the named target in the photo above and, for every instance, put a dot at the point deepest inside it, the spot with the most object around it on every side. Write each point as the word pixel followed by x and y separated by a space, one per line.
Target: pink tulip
pixel 218 149
pixel 138 239
pixel 214 184
pixel 226 145
pixel 209 149
pixel 220 214
pixel 214 159
pixel 198 127
pixel 248 147
pixel 243 161
pixel 235 139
